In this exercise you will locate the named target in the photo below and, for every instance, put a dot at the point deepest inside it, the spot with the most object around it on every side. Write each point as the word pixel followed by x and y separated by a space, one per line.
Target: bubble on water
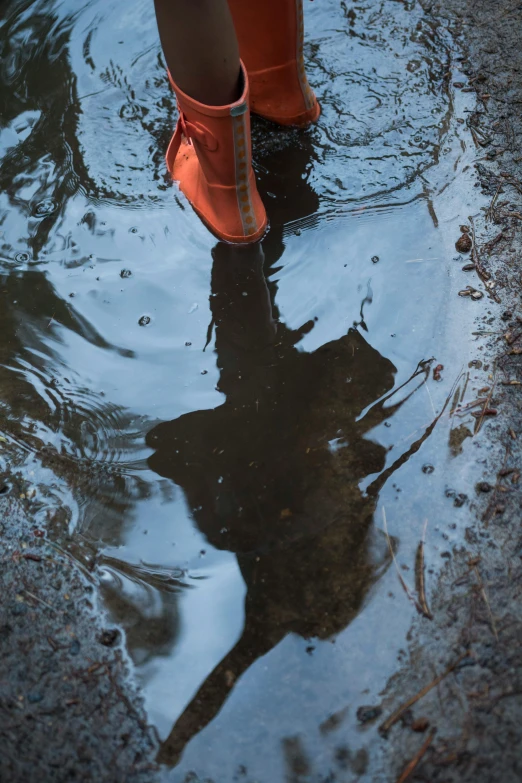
pixel 204 372
pixel 125 273
pixel 133 230
pixel 22 258
pixel 144 320
pixel 188 343
pixel 44 208
pixel 428 469
pixel 375 259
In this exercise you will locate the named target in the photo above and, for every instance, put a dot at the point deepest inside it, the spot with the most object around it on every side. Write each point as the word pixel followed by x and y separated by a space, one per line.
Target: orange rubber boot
pixel 271 35
pixel 210 155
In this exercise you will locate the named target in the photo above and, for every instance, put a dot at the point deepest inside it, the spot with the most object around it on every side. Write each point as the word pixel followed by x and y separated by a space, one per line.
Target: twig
pixel 492 503
pixel 460 411
pixel 415 760
pixel 478 425
pixel 474 253
pixel 401 580
pixel 431 398
pixel 489 213
pixel 485 597
pixel 395 716
pixel 41 601
pixel 419 573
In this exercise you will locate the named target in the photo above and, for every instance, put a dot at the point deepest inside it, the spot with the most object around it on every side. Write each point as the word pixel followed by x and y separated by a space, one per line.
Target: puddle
pixel 226 426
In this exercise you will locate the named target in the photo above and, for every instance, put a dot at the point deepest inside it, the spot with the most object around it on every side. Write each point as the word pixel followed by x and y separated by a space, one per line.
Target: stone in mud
pixel 109 637
pixel 420 725
pixel 483 486
pixel 368 714
pixel 463 243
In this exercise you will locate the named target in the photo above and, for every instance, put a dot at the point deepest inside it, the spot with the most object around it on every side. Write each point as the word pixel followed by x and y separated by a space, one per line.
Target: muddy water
pixel 221 431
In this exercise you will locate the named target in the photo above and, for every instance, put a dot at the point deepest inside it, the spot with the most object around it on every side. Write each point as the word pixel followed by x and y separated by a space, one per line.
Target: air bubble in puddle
pixel 22 258
pixel 44 208
pixel 144 320
pixel 375 259
pixel 125 273
pixel 428 469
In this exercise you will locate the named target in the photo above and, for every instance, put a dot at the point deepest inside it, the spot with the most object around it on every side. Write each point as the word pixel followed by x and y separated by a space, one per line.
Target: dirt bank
pixel 464 724
pixel 68 710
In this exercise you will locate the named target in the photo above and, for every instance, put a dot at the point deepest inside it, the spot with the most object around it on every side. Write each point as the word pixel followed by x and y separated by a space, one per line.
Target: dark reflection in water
pixel 273 473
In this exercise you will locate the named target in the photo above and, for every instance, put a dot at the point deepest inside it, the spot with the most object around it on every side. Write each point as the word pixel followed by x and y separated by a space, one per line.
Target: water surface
pixel 225 466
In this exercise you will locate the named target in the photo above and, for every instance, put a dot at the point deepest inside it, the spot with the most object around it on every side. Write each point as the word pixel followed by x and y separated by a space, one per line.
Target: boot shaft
pixel 210 155
pixel 271 41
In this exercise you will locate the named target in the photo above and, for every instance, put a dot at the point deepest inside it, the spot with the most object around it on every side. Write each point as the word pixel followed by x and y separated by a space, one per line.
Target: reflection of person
pixel 272 474
pixel 210 152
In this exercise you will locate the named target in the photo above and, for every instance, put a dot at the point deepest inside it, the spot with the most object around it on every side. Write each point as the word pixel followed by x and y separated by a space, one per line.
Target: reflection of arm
pixel 211 696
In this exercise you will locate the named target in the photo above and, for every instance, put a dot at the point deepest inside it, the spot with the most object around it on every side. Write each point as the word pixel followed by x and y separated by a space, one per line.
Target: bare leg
pixel 200 46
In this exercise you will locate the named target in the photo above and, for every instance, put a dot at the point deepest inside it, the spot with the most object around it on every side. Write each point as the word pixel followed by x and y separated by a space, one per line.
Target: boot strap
pixel 192 131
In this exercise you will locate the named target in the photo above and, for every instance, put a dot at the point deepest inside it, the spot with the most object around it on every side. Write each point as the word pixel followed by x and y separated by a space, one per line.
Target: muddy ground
pixel 467 727
pixel 68 707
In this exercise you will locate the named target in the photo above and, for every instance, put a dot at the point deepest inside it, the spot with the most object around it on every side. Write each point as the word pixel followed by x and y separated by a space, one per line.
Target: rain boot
pixel 210 156
pixel 271 35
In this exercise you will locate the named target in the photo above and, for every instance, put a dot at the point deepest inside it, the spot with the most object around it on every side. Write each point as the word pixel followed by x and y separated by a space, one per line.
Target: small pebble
pixel 420 725
pixel 483 486
pixel 367 714
pixel 74 649
pixel 109 637
pixel 463 243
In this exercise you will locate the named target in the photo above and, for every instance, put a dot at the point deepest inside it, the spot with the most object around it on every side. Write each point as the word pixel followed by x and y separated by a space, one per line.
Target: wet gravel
pixel 68 708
